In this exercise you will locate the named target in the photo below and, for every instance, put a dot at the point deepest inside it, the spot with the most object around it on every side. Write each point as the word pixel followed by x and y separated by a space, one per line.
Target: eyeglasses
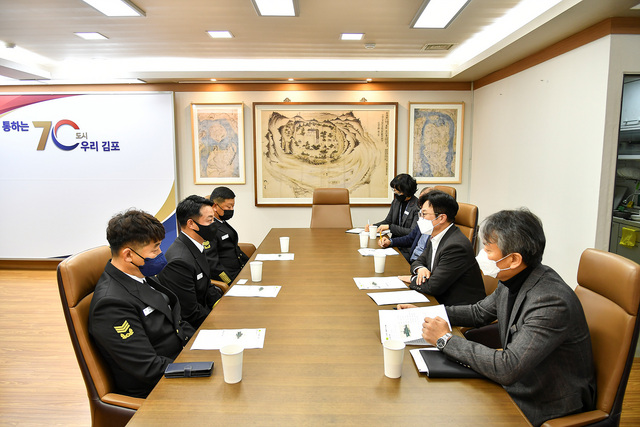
pixel 425 214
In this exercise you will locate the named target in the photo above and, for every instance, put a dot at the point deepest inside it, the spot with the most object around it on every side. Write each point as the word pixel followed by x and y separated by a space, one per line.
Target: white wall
pixel 252 222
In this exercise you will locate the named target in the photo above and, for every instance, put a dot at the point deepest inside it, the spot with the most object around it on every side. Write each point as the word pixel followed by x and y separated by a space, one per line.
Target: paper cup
pixel 393 358
pixel 232 363
pixel 284 244
pixel 364 239
pixel 373 231
pixel 378 260
pixel 256 271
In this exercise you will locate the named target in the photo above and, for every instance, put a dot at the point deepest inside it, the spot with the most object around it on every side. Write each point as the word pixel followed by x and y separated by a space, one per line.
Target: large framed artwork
pixel 303 146
pixel 435 142
pixel 218 143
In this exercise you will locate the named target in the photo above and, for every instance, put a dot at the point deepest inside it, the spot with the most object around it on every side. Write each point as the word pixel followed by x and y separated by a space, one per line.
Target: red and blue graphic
pixel 54 135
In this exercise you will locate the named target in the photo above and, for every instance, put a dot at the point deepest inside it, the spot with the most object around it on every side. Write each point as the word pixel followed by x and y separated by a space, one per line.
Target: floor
pixel 40 382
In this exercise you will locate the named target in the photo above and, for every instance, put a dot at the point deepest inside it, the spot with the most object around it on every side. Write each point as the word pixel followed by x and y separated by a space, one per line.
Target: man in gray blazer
pixel 546 364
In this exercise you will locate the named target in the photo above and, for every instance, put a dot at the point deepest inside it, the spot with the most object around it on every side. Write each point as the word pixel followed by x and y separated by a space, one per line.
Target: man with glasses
pixel 447 268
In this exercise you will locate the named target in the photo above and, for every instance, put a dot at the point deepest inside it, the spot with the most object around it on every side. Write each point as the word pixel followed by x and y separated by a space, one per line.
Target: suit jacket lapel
pixel 200 257
pixel 522 294
pixel 441 245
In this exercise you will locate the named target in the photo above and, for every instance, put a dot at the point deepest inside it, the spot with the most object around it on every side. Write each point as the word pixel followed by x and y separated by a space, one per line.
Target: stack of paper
pixel 406 325
pixel 215 339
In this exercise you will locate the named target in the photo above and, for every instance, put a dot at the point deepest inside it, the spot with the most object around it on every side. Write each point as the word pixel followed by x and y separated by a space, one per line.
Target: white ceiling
pixel 170 43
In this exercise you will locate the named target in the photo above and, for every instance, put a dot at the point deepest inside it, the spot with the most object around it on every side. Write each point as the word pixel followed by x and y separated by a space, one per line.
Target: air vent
pixel 436 46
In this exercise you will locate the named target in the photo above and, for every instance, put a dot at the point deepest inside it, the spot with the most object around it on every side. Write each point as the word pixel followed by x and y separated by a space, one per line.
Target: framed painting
pixel 218 143
pixel 303 146
pixel 435 142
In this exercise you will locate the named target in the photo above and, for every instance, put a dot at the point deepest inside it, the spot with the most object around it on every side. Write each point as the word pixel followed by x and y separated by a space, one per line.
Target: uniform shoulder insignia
pixel 206 244
pixel 125 330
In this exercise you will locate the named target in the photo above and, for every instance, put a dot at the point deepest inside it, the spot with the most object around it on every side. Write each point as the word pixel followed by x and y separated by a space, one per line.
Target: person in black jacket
pixel 226 259
pixel 134 320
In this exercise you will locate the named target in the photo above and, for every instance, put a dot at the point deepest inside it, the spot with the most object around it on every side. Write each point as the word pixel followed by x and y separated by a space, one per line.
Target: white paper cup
pixel 364 239
pixel 378 259
pixel 256 271
pixel 373 231
pixel 393 358
pixel 284 244
pixel 232 363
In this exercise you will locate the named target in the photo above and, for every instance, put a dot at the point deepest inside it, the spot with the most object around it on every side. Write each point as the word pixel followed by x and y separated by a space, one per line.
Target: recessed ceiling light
pixel 91 36
pixel 220 34
pixel 437 13
pixel 369 80
pixel 351 36
pixel 369 45
pixel 290 80
pixel 115 7
pixel 276 7
pixel 214 80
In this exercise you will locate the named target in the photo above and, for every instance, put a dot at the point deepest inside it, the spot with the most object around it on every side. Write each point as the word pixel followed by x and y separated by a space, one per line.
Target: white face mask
pixel 488 266
pixel 426 226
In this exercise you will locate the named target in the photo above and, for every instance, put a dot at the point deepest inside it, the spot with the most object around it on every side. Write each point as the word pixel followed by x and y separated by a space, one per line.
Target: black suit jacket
pixel 225 257
pixel 135 330
pixel 187 274
pixel 455 275
pixel 401 223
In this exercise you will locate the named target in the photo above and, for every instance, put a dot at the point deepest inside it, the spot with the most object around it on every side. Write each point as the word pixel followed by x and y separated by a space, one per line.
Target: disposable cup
pixel 378 260
pixel 284 244
pixel 364 239
pixel 256 271
pixel 373 231
pixel 232 363
pixel 393 358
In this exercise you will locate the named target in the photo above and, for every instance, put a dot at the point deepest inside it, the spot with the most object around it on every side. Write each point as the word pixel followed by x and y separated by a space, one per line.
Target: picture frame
pixel 218 143
pixel 300 146
pixel 435 142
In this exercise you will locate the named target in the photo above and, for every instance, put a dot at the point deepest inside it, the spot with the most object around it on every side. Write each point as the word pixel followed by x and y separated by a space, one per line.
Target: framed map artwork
pixel 435 142
pixel 218 143
pixel 303 146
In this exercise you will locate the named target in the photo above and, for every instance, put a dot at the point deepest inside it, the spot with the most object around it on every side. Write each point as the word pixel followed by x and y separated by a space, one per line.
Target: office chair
pixel 467 221
pixel 488 335
pixel 247 248
pixel 446 189
pixel 330 208
pixel 609 290
pixel 77 278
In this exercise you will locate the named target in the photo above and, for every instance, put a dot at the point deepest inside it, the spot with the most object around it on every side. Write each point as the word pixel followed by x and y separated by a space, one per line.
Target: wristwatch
pixel 443 340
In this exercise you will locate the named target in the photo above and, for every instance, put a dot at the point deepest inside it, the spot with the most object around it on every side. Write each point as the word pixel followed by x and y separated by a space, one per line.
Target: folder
pixel 440 366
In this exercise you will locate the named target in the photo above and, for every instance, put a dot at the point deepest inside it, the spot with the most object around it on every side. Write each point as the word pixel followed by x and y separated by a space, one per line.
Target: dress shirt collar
pixel 435 241
pixel 198 245
pixel 139 279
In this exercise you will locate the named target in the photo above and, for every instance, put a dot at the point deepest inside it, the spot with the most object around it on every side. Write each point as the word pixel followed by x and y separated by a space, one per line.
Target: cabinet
pixel 616 234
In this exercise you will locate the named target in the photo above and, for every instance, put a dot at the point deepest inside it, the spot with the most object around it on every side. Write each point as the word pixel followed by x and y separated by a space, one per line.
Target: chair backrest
pixel 446 189
pixel 77 278
pixel 467 221
pixel 331 208
pixel 609 290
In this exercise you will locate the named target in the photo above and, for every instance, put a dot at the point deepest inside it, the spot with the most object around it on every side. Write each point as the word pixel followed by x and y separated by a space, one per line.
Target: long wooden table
pixel 322 361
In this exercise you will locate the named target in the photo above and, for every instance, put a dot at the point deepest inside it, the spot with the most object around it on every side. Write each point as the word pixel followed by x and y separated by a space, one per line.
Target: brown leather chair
pixel 609 290
pixel 467 221
pixel 446 189
pixel 488 335
pixel 77 278
pixel 331 208
pixel 247 248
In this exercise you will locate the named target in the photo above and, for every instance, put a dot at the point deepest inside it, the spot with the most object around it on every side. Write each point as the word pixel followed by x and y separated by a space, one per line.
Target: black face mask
pixel 400 197
pixel 228 214
pixel 207 232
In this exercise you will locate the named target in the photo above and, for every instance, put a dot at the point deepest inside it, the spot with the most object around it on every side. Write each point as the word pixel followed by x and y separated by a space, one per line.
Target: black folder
pixel 188 369
pixel 440 366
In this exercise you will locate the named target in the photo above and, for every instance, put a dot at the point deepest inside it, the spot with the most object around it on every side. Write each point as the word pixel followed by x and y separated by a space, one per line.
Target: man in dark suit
pixel 187 272
pixel 226 259
pixel 546 364
pixel 447 268
pixel 135 321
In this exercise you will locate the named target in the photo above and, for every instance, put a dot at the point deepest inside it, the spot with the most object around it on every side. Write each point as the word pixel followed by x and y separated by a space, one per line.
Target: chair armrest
pixel 122 400
pixel 223 286
pixel 247 248
pixel 577 420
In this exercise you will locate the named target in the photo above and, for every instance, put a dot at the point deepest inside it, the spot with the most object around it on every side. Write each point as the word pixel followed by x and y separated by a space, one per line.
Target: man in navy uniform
pixel 134 320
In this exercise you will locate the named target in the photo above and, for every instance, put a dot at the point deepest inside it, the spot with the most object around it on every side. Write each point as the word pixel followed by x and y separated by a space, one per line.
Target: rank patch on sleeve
pixel 226 279
pixel 124 330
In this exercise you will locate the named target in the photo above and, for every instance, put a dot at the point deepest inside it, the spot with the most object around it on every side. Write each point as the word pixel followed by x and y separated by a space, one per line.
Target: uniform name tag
pixel 226 236
pixel 147 311
pixel 199 276
pixel 406 212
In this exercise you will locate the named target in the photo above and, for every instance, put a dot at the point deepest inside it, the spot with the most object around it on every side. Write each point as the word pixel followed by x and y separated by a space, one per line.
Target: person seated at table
pixel 447 268
pixel 546 361
pixel 133 319
pixel 187 272
pixel 415 240
pixel 226 259
pixel 403 213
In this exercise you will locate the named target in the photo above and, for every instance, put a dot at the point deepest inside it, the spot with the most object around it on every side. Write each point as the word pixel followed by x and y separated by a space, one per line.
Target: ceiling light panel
pixel 438 13
pixel 91 36
pixel 276 7
pixel 115 7
pixel 220 34
pixel 351 36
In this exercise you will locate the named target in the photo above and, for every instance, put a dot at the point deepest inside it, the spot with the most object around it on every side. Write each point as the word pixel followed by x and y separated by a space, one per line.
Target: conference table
pixel 322 361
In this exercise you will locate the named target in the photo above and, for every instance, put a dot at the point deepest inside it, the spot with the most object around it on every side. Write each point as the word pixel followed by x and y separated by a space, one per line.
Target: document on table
pixel 355 230
pixel 274 257
pixel 379 283
pixel 419 360
pixel 253 291
pixel 370 252
pixel 400 297
pixel 215 339
pixel 406 325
